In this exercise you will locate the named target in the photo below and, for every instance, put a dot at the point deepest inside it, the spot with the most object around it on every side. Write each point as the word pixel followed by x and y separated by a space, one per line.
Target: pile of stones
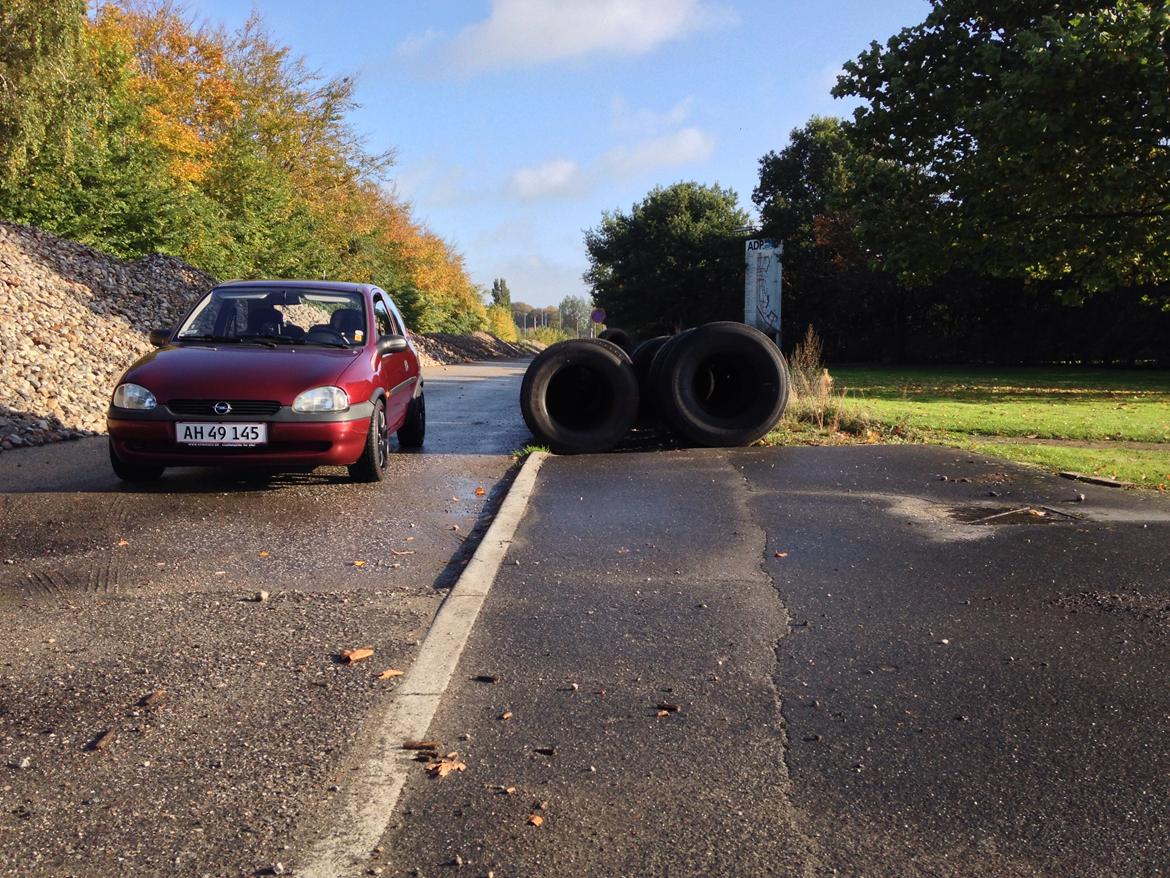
pixel 71 320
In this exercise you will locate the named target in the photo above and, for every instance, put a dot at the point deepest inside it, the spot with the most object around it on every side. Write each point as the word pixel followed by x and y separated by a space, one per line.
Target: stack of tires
pixel 719 385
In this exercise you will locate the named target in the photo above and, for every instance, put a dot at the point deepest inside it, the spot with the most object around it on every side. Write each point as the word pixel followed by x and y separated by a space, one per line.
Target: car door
pixel 394 370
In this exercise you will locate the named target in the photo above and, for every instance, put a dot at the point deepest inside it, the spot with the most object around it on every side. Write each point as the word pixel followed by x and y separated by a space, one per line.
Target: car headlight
pixel 322 399
pixel 134 396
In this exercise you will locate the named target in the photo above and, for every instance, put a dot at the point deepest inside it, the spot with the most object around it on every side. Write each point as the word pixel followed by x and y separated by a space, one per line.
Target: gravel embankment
pixel 71 319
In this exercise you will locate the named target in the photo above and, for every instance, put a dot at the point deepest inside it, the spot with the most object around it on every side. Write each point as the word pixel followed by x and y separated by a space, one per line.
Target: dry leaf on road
pixel 154 699
pixel 506 715
pixel 420 745
pixel 479 492
pixel 443 767
pixel 102 741
pixel 780 555
pixel 359 563
pixel 352 656
pixel 390 673
pixel 535 819
pixel 263 554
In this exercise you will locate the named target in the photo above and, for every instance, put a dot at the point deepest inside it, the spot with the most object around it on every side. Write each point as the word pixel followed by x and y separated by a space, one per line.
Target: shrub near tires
pixel 580 396
pixel 722 384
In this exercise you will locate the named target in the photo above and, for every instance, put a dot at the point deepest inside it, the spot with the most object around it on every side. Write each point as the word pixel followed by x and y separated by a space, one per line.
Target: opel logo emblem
pixel 222 408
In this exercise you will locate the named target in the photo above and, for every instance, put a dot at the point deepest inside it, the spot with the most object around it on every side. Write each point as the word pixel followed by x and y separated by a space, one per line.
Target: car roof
pixel 333 285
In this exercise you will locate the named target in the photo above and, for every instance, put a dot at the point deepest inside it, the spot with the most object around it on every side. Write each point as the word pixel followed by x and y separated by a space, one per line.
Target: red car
pixel 272 374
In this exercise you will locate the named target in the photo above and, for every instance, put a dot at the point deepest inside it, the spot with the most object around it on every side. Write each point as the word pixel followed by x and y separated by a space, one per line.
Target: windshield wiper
pixel 267 340
pixel 206 338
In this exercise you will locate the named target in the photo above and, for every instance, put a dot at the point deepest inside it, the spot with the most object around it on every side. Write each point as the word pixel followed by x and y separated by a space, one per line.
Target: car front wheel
pixel 371 466
pixel 133 472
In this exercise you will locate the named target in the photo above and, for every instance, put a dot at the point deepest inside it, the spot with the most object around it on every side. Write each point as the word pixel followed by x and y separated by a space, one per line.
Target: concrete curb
pixel 365 805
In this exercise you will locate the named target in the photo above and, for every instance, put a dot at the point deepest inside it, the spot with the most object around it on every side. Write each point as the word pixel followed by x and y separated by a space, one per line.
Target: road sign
pixel 761 286
pixel 598 315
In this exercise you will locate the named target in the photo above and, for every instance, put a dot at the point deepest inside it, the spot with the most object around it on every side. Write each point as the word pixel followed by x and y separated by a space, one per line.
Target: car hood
pixel 237 371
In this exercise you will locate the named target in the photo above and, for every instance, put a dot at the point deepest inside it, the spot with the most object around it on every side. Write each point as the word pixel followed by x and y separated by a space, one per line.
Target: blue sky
pixel 516 123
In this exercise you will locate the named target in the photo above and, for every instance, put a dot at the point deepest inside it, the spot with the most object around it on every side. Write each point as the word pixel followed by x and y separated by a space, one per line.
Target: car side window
pixel 382 316
pixel 397 317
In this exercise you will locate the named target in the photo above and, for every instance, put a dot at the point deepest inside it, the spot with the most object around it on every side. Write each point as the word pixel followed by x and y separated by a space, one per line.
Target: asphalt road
pixel 110 593
pixel 809 662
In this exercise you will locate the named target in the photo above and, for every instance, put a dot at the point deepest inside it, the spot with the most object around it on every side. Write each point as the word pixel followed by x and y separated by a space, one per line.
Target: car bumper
pixel 290 443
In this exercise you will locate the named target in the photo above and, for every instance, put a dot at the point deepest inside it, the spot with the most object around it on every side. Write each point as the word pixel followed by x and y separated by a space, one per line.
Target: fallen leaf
pixel 443 767
pixel 154 699
pixel 353 656
pixel 359 563
pixel 506 715
pixel 103 740
pixel 663 713
pixel 123 543
pixel 780 555
pixel 479 492
pixel 263 554
pixel 403 552
pixel 535 820
pixel 420 745
pixel 390 673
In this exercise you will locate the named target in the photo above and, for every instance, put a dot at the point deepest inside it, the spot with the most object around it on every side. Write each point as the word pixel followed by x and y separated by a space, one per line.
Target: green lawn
pixel 973 407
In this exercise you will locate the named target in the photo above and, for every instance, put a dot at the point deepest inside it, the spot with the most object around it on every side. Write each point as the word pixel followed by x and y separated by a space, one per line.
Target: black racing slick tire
pixel 580 396
pixel 721 385
pixel 643 358
pixel 619 337
pixel 371 466
pixel 414 429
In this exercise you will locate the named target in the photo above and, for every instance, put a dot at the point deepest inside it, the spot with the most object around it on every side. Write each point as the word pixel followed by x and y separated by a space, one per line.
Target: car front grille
pixel 240 407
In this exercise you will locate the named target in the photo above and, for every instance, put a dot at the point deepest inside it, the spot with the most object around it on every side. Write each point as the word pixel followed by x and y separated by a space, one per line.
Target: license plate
pixel 189 433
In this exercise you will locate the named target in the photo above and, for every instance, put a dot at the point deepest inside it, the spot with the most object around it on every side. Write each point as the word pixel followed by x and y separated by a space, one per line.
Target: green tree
pixel 1028 139
pixel 675 260
pixel 575 312
pixel 501 295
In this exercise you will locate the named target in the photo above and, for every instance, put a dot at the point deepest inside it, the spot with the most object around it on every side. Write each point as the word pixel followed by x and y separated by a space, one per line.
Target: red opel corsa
pixel 272 374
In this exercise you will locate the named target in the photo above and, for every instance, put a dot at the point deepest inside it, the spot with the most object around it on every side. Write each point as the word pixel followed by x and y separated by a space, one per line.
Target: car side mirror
pixel 391 344
pixel 159 337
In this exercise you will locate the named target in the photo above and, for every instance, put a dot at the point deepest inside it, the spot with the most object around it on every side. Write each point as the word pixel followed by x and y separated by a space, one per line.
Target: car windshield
pixel 274 316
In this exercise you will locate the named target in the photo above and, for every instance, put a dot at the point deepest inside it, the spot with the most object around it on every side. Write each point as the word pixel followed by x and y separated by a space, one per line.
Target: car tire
pixel 414 429
pixel 643 359
pixel 134 472
pixel 371 466
pixel 721 385
pixel 580 396
pixel 619 337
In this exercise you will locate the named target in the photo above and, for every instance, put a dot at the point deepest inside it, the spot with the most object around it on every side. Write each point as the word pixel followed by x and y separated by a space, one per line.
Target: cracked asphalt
pixel 805 662
pixel 110 593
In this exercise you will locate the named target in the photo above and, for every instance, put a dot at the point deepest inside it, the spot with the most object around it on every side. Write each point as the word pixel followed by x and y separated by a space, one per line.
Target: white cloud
pixel 556 178
pixel 683 147
pixel 647 123
pixel 527 33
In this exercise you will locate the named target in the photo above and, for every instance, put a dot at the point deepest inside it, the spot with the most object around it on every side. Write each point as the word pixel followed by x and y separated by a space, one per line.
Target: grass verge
pixel 1060 419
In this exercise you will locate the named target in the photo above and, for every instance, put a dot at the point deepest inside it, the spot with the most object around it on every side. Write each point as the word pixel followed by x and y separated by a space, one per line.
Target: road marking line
pixel 366 802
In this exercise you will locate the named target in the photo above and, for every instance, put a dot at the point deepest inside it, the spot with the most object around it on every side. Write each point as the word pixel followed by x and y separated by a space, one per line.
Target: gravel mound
pixel 442 348
pixel 71 319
